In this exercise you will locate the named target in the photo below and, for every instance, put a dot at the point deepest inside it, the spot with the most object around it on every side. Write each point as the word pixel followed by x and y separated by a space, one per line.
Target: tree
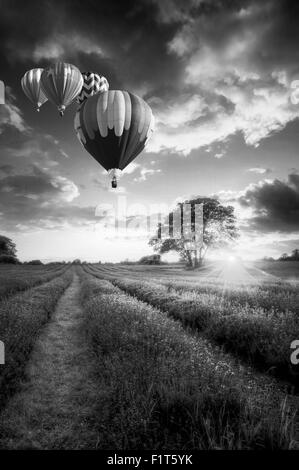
pixel 295 255
pixel 8 259
pixel 7 247
pixel 218 229
pixel 151 259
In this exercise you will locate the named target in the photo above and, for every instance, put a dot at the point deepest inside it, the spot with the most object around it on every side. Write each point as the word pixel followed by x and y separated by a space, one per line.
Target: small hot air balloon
pixel 93 84
pixel 61 83
pixel 114 127
pixel 32 87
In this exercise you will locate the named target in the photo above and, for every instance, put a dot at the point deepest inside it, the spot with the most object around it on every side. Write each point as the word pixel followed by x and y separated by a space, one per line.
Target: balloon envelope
pixel 114 127
pixel 61 83
pixel 93 84
pixel 32 87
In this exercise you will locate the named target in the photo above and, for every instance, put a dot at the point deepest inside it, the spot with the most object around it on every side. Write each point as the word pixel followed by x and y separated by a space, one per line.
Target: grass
pixel 283 269
pixel 15 279
pixel 163 388
pixel 55 405
pixel 261 337
pixel 21 319
pixel 278 296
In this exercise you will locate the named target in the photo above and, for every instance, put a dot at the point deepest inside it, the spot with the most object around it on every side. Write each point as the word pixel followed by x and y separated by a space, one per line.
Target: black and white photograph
pixel 149 228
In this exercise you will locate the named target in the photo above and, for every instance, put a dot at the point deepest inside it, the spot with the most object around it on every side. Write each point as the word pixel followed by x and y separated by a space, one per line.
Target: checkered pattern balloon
pixel 93 84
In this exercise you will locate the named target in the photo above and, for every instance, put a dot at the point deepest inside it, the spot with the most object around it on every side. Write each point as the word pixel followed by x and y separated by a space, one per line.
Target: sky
pixel 220 77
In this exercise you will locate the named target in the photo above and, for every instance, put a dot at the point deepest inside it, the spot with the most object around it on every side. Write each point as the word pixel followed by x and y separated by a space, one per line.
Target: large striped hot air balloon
pixel 114 128
pixel 93 84
pixel 61 83
pixel 32 87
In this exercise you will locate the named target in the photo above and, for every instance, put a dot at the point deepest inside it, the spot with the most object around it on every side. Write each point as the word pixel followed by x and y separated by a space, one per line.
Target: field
pixel 149 357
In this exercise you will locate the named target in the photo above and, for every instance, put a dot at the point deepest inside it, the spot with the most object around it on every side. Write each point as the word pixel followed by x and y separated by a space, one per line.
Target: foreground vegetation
pixel 21 318
pixel 262 337
pixel 163 388
pixel 260 334
pixel 15 279
pixel 131 364
pixel 274 297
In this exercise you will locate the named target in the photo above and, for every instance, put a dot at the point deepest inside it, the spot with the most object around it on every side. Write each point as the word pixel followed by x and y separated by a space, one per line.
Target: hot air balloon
pixel 61 83
pixel 93 84
pixel 32 87
pixel 114 127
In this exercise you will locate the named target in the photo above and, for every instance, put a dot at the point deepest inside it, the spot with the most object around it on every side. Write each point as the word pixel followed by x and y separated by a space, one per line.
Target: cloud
pixel 219 155
pixel 267 216
pixel 30 147
pixel 259 170
pixel 37 182
pixel 239 81
pixel 203 83
pixel 131 168
pixel 61 45
pixel 10 114
pixel 110 37
pixel 145 173
pixel 268 206
pixel 251 245
pixel 7 169
pixel 40 199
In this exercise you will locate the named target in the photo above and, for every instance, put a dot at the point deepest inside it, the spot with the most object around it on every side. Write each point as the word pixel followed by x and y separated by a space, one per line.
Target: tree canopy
pixel 7 246
pixel 218 229
pixel 294 256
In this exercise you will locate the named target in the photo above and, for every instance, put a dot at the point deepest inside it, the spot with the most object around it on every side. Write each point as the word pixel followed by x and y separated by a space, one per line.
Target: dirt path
pixel 55 406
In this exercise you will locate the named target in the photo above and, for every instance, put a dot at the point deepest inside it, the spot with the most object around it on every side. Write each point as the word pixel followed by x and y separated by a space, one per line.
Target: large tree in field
pixel 7 246
pixel 218 229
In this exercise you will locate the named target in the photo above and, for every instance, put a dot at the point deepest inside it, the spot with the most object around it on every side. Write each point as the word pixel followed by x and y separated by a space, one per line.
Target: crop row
pixel 260 337
pixel 21 319
pixel 269 296
pixel 161 387
pixel 19 279
pixel 277 296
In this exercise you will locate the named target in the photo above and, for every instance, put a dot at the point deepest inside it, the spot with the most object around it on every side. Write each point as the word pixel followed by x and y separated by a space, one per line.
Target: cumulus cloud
pixel 37 182
pixel 61 45
pixel 269 206
pixel 259 170
pixel 10 114
pixel 219 154
pixel 237 81
pixel 29 147
pixel 204 83
pixel 131 168
pixel 275 204
pixel 145 173
pixel 37 198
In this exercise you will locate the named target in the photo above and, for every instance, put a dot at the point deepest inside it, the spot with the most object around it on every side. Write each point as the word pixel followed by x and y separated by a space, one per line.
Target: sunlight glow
pixel 232 270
